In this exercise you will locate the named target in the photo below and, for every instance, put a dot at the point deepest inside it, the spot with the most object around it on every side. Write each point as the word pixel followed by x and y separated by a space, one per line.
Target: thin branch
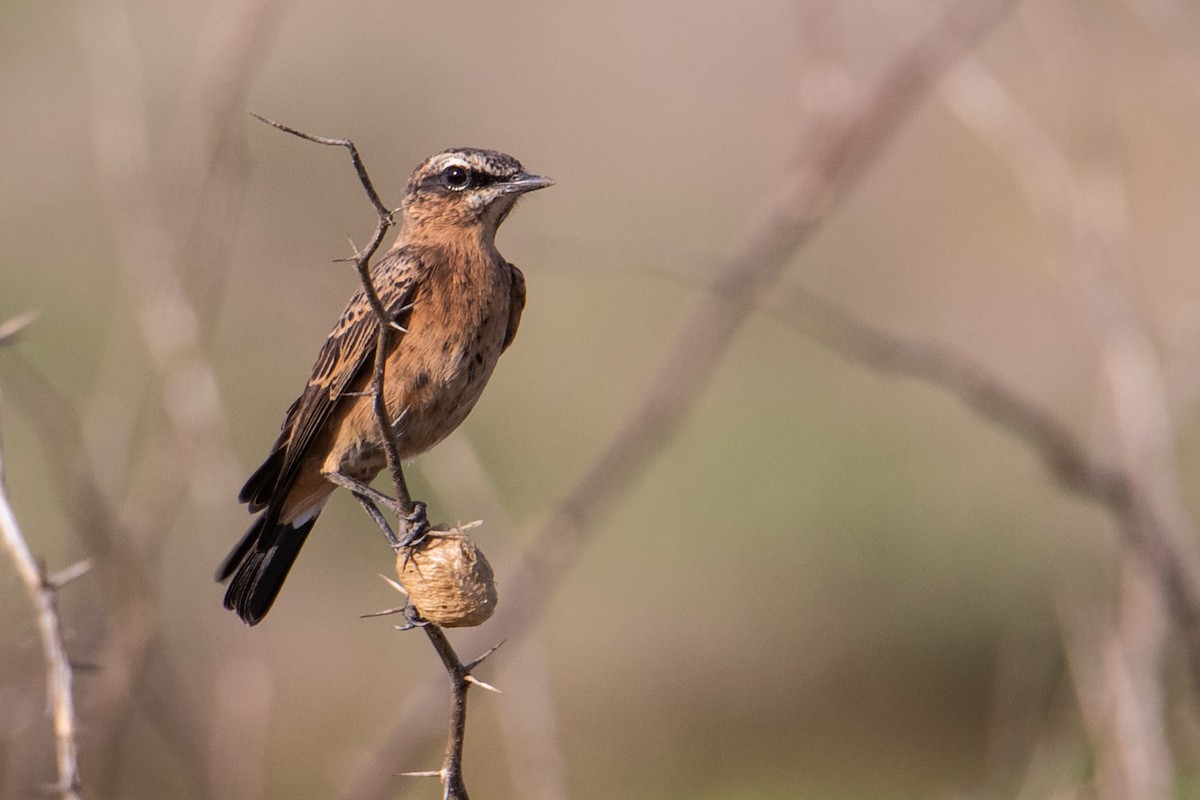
pixel 451 773
pixel 43 593
pixel 135 658
pixel 385 216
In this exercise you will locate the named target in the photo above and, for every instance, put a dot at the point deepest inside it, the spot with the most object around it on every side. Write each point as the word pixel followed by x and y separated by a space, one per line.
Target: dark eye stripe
pixel 439 182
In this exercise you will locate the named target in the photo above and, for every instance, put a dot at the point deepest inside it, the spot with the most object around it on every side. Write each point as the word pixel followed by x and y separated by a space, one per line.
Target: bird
pixel 454 304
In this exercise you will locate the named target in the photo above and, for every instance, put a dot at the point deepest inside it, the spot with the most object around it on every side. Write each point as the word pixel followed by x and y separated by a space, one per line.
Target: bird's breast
pixel 439 367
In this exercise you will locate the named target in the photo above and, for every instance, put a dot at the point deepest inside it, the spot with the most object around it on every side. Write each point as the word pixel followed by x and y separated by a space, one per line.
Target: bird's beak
pixel 524 182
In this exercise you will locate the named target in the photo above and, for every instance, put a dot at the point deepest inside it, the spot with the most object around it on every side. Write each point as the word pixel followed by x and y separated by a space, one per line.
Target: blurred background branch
pixel 122 478
pixel 43 595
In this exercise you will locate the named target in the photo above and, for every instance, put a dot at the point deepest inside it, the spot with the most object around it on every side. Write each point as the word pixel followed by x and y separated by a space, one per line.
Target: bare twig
pixel 451 774
pixel 134 654
pixel 43 593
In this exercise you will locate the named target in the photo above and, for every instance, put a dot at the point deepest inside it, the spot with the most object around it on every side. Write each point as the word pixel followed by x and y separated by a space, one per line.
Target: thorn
pixel 398 327
pixel 394 584
pixel 426 774
pixel 472 665
pixel 10 328
pixel 472 679
pixel 384 613
pixel 64 576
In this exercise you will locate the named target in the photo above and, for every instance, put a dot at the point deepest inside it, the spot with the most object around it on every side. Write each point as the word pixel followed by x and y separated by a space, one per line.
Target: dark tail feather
pixel 259 564
pixel 261 486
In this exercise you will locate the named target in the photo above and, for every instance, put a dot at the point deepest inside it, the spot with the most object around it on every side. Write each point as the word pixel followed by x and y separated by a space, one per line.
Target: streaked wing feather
pixel 516 305
pixel 349 350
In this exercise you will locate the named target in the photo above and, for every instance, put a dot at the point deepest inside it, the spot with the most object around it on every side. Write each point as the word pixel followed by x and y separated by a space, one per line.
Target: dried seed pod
pixel 448 579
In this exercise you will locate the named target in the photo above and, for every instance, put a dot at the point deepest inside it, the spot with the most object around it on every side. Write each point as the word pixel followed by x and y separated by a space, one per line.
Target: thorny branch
pixel 835 152
pixel 459 674
pixel 43 593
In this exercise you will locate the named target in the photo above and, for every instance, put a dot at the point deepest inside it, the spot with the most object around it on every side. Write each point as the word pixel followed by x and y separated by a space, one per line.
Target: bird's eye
pixel 456 177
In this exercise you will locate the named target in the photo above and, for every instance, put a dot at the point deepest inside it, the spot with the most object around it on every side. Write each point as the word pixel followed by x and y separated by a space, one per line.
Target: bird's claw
pixel 412 619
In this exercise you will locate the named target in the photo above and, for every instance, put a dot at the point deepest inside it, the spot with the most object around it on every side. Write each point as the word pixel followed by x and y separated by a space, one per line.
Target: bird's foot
pixel 414 520
pixel 364 491
pixel 417 525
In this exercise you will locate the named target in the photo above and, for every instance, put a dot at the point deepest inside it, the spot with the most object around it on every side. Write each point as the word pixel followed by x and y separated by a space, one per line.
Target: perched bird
pixel 456 304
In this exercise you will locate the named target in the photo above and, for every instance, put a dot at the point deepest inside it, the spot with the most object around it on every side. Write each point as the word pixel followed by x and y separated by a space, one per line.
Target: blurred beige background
pixel 830 584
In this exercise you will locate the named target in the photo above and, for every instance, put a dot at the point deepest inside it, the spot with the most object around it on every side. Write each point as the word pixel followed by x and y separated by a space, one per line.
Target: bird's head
pixel 466 188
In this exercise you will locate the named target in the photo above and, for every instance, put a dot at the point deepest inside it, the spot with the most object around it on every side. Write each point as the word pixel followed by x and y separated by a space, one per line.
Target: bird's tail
pixel 259 564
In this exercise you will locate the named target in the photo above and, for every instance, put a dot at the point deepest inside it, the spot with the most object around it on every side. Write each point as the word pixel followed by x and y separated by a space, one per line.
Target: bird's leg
pixel 415 519
pixel 361 489
pixel 373 511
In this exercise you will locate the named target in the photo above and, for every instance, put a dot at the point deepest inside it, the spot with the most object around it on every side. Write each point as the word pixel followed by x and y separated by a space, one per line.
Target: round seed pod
pixel 448 579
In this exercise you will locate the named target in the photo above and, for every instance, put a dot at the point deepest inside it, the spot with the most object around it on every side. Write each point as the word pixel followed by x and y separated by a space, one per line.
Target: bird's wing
pixel 349 350
pixel 515 307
